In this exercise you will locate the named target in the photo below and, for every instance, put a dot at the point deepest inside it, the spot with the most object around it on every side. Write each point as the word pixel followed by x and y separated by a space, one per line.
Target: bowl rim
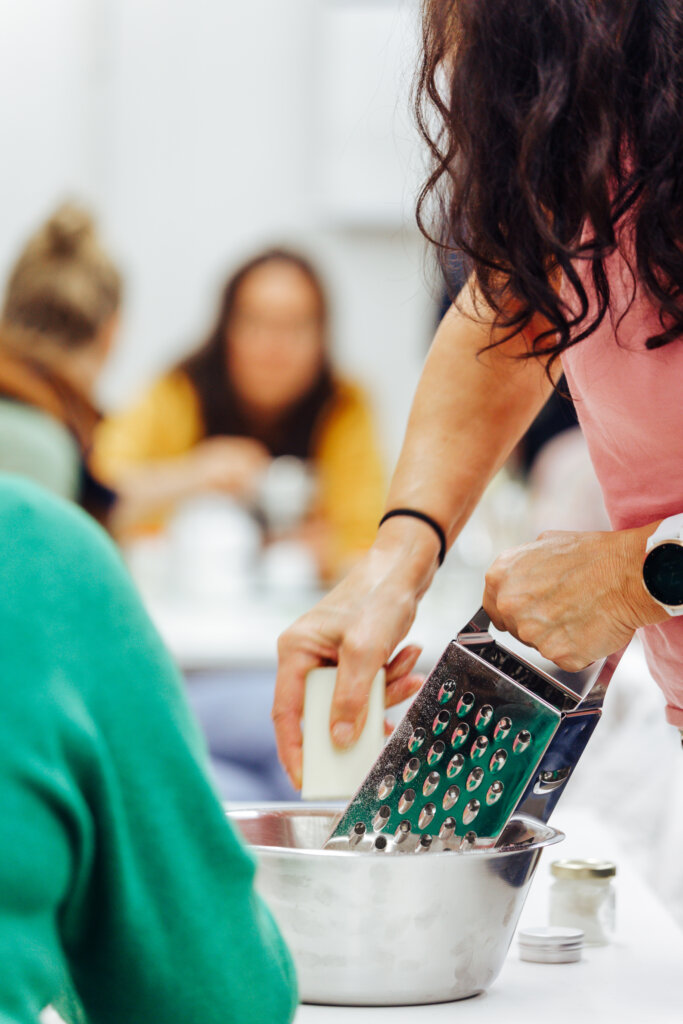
pixel 236 810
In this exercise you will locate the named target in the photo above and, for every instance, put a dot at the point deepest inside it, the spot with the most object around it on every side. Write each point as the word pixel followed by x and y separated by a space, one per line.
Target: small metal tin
pixel 550 945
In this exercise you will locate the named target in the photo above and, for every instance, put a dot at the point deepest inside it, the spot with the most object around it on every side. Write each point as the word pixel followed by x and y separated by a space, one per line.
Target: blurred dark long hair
pixel 295 433
pixel 544 117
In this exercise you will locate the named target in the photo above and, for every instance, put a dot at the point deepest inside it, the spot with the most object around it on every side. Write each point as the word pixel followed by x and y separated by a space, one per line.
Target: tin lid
pixel 557 938
pixel 551 945
pixel 583 869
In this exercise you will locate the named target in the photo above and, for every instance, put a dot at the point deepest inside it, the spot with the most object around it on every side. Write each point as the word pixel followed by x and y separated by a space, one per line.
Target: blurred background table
pixel 243 633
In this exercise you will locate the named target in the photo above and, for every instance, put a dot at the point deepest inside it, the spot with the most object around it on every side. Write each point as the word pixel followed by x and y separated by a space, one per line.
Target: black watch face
pixel 663 573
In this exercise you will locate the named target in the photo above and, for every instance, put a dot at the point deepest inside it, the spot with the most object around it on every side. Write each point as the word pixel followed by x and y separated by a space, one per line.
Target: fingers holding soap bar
pixel 328 772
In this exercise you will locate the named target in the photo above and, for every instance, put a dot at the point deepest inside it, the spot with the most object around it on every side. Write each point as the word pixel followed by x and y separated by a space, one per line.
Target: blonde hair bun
pixel 69 229
pixel 64 285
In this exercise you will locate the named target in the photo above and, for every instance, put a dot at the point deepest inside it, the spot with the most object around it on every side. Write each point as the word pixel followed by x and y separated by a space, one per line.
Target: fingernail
pixel 343 733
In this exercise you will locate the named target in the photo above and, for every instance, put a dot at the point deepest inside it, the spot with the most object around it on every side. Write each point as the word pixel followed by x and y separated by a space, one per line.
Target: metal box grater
pixel 487 735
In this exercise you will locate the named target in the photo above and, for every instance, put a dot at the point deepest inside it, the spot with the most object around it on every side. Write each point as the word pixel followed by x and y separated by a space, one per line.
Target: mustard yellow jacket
pixel 167 422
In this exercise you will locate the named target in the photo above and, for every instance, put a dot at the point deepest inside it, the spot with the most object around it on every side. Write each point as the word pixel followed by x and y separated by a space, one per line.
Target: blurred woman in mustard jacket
pixel 260 387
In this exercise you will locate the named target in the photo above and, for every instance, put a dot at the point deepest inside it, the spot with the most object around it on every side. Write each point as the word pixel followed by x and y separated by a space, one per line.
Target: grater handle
pixel 479 623
pixel 576 728
pixel 604 670
pixel 591 691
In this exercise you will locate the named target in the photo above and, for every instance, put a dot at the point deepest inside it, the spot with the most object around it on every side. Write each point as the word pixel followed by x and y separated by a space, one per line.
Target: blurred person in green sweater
pixel 125 896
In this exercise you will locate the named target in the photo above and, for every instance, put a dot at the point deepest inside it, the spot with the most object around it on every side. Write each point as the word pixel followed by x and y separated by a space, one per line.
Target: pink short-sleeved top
pixel 629 401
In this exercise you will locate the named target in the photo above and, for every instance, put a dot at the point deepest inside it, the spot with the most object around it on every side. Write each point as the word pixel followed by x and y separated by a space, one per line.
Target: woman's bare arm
pixel 470 409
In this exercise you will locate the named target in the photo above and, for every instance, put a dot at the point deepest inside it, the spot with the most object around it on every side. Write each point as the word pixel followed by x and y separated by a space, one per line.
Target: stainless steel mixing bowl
pixel 372 929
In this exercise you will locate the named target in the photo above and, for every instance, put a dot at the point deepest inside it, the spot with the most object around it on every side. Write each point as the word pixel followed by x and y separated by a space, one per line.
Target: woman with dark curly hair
pixel 558 171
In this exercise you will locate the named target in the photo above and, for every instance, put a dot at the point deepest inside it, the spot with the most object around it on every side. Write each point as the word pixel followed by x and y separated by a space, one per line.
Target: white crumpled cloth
pixel 631 774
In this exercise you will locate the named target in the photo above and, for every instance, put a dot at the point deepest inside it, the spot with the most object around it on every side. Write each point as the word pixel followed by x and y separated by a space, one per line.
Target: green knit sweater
pixel 120 879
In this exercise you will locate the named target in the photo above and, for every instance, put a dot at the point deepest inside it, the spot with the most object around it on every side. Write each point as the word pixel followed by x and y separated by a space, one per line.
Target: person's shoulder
pixel 170 389
pixel 165 420
pixel 347 425
pixel 350 394
pixel 38 446
pixel 174 382
pixel 349 402
pixel 174 398
pixel 41 532
pixel 25 503
pixel 29 418
pixel 349 407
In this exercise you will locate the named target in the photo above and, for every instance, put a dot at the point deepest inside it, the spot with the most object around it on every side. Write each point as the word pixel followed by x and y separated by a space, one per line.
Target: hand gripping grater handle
pixel 488 735
pixel 574 730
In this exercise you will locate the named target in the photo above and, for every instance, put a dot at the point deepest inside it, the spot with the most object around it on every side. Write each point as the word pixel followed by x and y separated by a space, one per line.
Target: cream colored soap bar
pixel 329 773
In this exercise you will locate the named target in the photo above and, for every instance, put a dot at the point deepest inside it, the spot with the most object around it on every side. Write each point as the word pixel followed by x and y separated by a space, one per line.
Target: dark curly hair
pixel 552 124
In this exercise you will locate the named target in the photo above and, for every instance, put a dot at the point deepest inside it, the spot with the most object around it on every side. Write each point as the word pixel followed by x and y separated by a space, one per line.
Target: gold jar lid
pixel 583 869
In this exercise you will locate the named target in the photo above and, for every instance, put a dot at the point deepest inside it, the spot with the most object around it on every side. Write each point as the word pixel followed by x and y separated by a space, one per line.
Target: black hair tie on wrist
pixel 414 514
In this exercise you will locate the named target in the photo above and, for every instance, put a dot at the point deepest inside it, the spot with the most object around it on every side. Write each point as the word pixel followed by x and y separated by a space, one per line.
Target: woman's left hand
pixel 575 597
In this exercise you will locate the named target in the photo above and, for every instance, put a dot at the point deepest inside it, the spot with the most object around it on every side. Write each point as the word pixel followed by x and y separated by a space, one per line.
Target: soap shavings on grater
pixel 466 752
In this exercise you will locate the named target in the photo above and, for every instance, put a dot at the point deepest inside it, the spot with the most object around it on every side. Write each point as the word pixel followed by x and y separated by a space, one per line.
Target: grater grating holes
pixel 484 716
pixel 436 752
pixel 479 747
pixel 357 833
pixel 470 723
pixel 471 811
pixel 386 787
pixel 498 760
pixel 460 734
pixel 494 793
pixel 447 691
pixel 417 739
pixel 502 728
pixel 402 832
pixel 455 766
pixel 406 802
pixel 441 722
pixel 447 830
pixel 465 705
pixel 426 815
pixel 381 818
pixel 521 741
pixel 431 783
pixel 451 797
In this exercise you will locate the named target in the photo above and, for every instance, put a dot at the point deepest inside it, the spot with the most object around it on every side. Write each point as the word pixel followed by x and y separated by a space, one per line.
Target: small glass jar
pixel 582 896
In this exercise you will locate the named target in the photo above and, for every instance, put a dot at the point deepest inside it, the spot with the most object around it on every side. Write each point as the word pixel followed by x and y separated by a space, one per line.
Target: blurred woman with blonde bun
pixel 58 324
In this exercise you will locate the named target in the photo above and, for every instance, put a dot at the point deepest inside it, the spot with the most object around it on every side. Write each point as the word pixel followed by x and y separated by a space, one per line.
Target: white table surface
pixel 638 979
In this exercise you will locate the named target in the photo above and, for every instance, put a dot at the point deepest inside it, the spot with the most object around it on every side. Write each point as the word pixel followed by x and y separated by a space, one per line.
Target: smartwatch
pixel 663 565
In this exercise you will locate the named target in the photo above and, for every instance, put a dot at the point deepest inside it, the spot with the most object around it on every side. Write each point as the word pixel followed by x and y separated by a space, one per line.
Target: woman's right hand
pixel 356 626
pixel 229 464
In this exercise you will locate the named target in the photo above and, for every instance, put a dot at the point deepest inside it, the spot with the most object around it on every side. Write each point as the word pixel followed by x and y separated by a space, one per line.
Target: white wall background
pixel 202 129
